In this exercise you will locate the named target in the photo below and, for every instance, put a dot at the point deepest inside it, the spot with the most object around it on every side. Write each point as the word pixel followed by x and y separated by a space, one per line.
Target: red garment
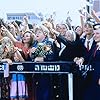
pixel 88 45
pixel 95 50
pixel 21 46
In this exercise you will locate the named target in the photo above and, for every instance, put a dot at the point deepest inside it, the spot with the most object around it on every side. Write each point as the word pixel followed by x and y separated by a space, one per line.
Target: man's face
pixel 97 35
pixel 88 30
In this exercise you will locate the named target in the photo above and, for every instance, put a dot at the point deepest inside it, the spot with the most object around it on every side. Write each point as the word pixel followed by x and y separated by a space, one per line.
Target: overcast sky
pixel 44 6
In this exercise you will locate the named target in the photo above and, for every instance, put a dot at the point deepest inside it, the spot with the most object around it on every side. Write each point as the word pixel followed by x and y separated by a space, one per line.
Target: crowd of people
pixel 52 41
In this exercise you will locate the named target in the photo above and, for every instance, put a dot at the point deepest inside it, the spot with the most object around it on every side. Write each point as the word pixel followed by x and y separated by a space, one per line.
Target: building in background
pixel 32 17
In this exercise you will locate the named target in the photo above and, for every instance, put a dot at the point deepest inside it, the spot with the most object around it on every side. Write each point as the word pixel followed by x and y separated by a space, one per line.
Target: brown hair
pixel 31 38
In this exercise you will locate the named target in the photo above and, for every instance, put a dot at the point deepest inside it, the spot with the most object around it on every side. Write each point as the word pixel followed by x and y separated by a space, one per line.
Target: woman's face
pixel 39 35
pixel 63 29
pixel 79 30
pixel 26 37
pixel 69 36
pixel 58 28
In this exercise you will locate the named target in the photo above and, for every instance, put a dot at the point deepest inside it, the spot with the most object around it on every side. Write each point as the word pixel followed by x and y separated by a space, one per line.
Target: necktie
pixel 95 50
pixel 88 45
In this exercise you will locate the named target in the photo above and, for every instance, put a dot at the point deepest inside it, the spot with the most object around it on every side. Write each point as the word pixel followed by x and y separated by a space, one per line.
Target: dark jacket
pixel 87 54
pixel 72 49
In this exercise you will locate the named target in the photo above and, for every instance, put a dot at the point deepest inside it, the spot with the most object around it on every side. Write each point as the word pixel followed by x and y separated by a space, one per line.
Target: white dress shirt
pixel 90 43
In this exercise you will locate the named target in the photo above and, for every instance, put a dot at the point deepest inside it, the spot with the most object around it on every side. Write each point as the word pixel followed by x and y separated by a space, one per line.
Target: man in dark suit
pixel 70 48
pixel 94 89
pixel 88 41
pixel 88 45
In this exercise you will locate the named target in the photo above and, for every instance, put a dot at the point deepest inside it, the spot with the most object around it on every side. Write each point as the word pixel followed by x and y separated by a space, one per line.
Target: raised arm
pixel 12 29
pixel 9 34
pixel 25 22
pixel 95 16
pixel 16 26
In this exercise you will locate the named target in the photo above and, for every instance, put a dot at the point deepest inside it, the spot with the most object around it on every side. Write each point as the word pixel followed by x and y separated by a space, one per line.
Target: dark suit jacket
pixel 72 50
pixel 91 87
pixel 96 64
pixel 87 54
pixel 93 90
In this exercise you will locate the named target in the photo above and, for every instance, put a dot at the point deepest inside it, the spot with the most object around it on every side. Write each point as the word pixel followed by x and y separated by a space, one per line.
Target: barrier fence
pixel 68 68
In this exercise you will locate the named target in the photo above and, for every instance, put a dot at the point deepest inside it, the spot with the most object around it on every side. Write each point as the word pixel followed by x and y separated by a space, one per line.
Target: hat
pixel 91 21
pixel 96 26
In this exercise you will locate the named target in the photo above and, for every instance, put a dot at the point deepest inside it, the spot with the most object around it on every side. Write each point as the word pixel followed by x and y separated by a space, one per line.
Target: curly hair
pixel 6 48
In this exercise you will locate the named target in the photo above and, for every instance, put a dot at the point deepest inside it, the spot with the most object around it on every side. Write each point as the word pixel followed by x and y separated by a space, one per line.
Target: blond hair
pixel 43 29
